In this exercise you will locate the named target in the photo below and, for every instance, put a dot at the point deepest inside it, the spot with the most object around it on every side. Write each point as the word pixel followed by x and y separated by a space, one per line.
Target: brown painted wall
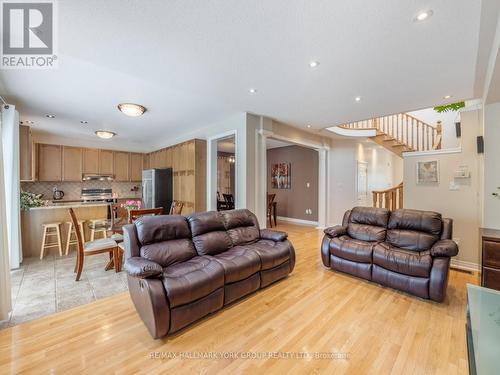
pixel 304 168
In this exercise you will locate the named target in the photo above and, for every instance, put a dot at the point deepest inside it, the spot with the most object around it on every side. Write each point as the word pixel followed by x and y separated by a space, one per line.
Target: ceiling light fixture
pixel 313 64
pixel 357 98
pixel 131 109
pixel 104 134
pixel 309 126
pixel 447 96
pixel 422 16
pixel 83 122
pixel 50 116
pixel 252 91
pixel 29 122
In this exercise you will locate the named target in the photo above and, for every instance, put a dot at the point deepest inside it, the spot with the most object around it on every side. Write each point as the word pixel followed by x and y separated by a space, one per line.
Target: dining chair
pixel 104 245
pixel 270 201
pixel 135 214
pixel 176 208
pixel 229 200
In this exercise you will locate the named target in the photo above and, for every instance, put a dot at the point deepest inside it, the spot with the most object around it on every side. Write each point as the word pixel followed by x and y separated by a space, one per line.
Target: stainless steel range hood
pixel 97 177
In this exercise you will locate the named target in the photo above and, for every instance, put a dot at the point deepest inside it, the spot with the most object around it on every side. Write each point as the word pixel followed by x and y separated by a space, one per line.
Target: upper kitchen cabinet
pixel 106 162
pixel 49 162
pixel 136 166
pixel 90 161
pixel 27 154
pixel 122 166
pixel 72 163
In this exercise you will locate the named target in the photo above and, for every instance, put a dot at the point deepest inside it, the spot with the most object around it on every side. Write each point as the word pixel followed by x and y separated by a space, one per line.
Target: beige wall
pixel 294 202
pixel 462 204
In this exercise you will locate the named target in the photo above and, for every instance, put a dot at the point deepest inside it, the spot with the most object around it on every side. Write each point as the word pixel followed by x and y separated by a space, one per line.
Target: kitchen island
pixel 33 219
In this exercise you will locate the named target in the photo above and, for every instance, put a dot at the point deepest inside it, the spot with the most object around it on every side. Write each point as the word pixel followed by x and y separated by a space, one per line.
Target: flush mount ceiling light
pixel 131 109
pixel 447 96
pixel 50 116
pixel 422 16
pixel 252 91
pixel 83 122
pixel 313 64
pixel 104 134
pixel 357 98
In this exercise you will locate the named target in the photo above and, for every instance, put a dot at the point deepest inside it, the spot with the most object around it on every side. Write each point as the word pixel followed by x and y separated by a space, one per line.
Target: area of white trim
pixel 297 221
pixel 455 150
pixel 464 265
pixel 353 132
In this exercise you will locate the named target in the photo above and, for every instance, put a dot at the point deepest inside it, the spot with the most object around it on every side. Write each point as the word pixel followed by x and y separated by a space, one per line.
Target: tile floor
pixel 42 287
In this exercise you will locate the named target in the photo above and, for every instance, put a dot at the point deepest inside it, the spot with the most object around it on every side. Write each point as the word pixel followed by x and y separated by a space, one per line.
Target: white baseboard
pixel 297 221
pixel 463 265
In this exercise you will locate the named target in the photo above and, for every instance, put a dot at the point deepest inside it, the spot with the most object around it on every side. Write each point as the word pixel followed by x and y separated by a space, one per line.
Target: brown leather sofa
pixel 409 250
pixel 183 268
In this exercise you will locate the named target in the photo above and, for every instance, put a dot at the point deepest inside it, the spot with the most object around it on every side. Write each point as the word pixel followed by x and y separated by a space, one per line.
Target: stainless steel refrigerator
pixel 157 188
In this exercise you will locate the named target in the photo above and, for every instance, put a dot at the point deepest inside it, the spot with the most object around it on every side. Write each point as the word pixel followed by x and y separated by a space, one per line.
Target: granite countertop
pixel 68 203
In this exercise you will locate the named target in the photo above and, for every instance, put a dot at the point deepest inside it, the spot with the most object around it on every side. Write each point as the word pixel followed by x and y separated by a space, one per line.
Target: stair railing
pixel 405 129
pixel 391 198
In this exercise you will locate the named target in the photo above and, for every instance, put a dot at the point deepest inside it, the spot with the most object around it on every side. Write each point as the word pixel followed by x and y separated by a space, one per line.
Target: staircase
pixel 401 133
pixel 391 198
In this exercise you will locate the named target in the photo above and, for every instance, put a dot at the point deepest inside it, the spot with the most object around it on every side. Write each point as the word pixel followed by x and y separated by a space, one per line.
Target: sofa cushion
pixel 166 253
pixel 421 221
pixel 402 261
pixel 238 263
pixel 151 229
pixel 191 280
pixel 241 225
pixel 410 239
pixel 209 233
pixel 271 253
pixel 351 249
pixel 368 223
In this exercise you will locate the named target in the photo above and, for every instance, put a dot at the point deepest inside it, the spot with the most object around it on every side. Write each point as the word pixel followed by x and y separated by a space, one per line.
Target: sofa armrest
pixel 444 248
pixel 142 267
pixel 273 235
pixel 336 231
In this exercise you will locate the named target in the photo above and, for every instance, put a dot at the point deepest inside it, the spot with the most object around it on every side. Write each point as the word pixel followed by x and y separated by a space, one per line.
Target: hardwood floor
pixel 314 310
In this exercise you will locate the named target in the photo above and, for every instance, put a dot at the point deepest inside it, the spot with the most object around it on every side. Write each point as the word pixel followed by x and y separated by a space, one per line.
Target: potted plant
pixel 30 200
pixel 131 205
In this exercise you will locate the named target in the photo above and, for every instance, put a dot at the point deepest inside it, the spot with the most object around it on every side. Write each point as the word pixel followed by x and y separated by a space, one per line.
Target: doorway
pixel 226 178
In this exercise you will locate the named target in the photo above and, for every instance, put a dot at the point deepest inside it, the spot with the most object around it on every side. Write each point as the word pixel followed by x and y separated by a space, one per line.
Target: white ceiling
pixel 191 63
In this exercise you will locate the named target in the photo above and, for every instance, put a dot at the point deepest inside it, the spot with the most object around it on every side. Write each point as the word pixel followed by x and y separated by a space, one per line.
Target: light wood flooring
pixel 372 329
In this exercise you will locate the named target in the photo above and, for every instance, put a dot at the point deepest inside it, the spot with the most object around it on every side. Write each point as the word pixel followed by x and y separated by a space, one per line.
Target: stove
pixel 97 195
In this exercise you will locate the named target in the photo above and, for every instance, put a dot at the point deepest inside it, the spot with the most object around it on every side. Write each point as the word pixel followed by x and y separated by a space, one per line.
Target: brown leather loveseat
pixel 183 268
pixel 409 250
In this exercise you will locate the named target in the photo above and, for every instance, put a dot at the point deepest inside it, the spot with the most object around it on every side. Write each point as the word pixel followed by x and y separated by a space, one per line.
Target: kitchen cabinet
pixel 145 161
pixel 121 166
pixel 490 260
pixel 106 162
pixel 90 161
pixel 136 165
pixel 49 162
pixel 27 154
pixel 72 163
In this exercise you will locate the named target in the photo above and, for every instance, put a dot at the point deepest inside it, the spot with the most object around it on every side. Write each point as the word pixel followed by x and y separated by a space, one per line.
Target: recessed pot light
pixel 252 91
pixel 131 109
pixel 104 134
pixel 357 98
pixel 422 16
pixel 83 122
pixel 313 64
pixel 29 122
pixel 50 116
pixel 447 96
pixel 309 126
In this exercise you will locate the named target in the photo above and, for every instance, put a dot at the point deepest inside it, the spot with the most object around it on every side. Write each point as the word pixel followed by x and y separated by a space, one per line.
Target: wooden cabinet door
pixel 145 161
pixel 106 162
pixel 72 163
pixel 91 160
pixel 135 167
pixel 26 162
pixel 122 166
pixel 49 162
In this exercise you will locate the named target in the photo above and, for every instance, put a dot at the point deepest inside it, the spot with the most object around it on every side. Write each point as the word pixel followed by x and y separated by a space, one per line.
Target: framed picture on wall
pixel 427 172
pixel 280 176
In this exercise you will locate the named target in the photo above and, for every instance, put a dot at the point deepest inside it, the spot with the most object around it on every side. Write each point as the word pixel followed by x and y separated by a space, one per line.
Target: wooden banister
pixel 391 198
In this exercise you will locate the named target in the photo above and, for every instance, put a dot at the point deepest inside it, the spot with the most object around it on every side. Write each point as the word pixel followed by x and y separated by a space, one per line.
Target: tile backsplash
pixel 72 190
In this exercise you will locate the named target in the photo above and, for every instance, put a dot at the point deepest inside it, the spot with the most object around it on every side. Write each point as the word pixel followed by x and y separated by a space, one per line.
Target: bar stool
pixel 71 232
pixel 94 231
pixel 51 230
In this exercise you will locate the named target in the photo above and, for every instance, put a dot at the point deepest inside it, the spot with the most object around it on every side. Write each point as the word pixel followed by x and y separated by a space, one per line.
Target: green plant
pixel 30 200
pixel 449 107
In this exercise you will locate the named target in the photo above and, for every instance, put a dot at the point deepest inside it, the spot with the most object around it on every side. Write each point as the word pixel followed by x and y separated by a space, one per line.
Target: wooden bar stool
pixel 72 232
pixel 94 231
pixel 51 230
